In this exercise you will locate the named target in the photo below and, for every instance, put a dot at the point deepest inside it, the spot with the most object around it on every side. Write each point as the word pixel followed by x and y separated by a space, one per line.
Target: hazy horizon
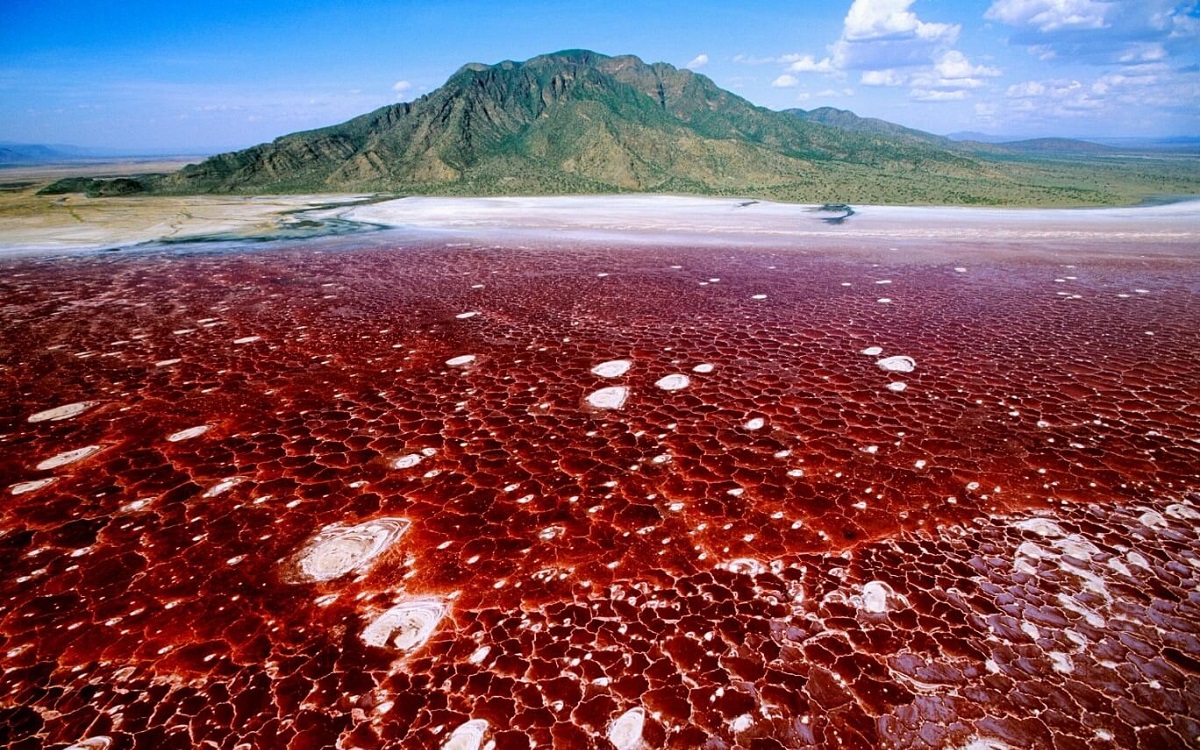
pixel 139 76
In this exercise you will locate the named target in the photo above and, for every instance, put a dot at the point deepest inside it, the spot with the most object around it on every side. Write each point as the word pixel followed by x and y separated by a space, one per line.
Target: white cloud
pixel 401 86
pixel 1050 15
pixel 807 64
pixel 954 71
pixel 936 95
pixel 697 62
pixel 891 19
pixel 886 77
pixel 785 81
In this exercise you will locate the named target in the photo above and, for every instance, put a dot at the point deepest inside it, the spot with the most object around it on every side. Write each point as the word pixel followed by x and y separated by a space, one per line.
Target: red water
pixel 671 555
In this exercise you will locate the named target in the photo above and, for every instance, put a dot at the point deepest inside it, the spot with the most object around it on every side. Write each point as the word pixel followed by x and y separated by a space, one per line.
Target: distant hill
pixel 33 153
pixel 581 122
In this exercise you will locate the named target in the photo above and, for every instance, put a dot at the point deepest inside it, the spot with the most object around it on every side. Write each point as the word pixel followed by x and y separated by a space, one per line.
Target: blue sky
pixel 205 76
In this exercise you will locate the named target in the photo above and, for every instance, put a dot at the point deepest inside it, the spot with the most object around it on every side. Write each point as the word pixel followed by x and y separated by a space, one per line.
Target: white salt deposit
pixel 897 386
pixel 873 351
pixel 459 361
pixel 703 368
pixel 756 424
pixel 742 723
pixel 612 397
pixel 223 486
pixel 247 339
pixel 465 315
pixel 897 363
pixel 984 743
pixel 875 596
pixel 187 434
pixel 67 457
pixel 614 368
pixel 626 732
pixel 406 626
pixel 468 736
pixel 99 742
pixel 758 296
pixel 1041 527
pixel 20 488
pixel 167 362
pixel 674 382
pixel 408 461
pixel 62 412
pixel 338 550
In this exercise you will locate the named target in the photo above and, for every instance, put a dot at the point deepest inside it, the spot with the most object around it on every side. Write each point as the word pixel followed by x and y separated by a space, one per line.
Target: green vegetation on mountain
pixel 581 122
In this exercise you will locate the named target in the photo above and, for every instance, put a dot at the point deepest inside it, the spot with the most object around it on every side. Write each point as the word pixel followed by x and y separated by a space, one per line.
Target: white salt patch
pixel 407 462
pixel 884 300
pixel 459 361
pixel 406 626
pixel 1031 630
pixel 223 486
pixel 756 424
pixel 884 281
pixel 187 434
pixel 59 413
pixel 626 732
pixel 480 654
pixel 247 339
pixel 20 488
pixel 468 736
pixel 465 315
pixel 98 742
pixel 758 296
pixel 673 382
pixel 612 397
pixel 613 368
pixel 1060 662
pixel 875 595
pixel 338 550
pixel 745 566
pixel 984 743
pixel 1153 519
pixel 1182 512
pixel 167 362
pixel 960 269
pixel 742 723
pixel 67 457
pixel 1041 527
pixel 873 351
pixel 898 363
pixel 897 387
pixel 703 368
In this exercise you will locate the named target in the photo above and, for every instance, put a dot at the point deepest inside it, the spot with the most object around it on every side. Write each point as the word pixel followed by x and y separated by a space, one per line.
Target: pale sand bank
pixel 76 222
pixel 647 216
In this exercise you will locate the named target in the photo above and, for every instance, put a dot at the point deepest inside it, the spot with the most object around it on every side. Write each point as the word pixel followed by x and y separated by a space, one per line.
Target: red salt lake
pixel 306 500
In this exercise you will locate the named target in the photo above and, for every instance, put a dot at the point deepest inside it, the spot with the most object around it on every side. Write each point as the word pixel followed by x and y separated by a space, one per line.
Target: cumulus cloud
pixel 953 71
pixel 936 95
pixel 878 34
pixel 1050 15
pixel 786 81
pixel 697 62
pixel 886 77
pixel 401 86
pixel 807 64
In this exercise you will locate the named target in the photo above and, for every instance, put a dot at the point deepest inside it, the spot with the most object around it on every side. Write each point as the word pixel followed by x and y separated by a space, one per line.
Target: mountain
pixel 580 122
pixel 36 153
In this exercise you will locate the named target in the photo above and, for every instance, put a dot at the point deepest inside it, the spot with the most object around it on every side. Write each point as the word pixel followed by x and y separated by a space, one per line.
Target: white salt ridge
pixel 406 626
pixel 187 434
pixel 459 361
pixel 876 595
pixel 626 732
pixel 247 339
pixel 67 457
pixel 20 488
pixel 59 413
pixel 897 387
pixel 468 736
pixel 223 486
pixel 167 362
pixel 897 363
pixel 614 368
pixel 465 315
pixel 674 382
pixel 98 742
pixel 703 368
pixel 611 397
pixel 872 351
pixel 984 743
pixel 338 550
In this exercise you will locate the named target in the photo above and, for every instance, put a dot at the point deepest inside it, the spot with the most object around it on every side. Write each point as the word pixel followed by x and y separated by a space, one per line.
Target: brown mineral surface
pixel 393 491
